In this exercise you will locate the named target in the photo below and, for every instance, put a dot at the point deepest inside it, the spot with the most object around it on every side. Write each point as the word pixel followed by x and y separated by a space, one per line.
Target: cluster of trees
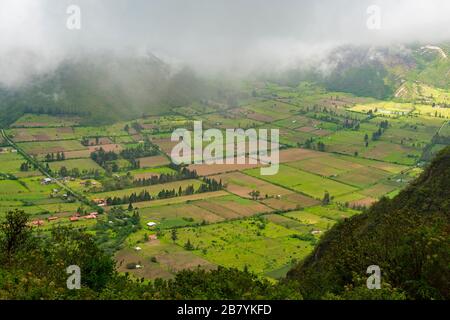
pixel 102 157
pixel 309 144
pixel 333 117
pixel 127 181
pixel 76 173
pixel 183 174
pixel 135 164
pixel 106 158
pixel 381 128
pixel 255 194
pixel 208 185
pixel 27 166
pixel 326 200
pixel 142 150
pixel 55 111
pixel 50 157
pixel 142 196
pixel 353 124
pixel 136 126
pixel 123 224
pixel 85 141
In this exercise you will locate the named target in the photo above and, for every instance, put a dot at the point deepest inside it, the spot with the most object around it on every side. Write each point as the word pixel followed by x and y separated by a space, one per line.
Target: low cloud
pixel 209 35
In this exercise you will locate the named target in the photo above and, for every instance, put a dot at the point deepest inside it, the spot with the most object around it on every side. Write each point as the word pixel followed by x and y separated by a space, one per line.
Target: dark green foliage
pixel 102 157
pixel 208 185
pixel 14 233
pixel 408 237
pixel 365 80
pixel 37 271
pixel 142 150
pixel 119 224
pixel 34 264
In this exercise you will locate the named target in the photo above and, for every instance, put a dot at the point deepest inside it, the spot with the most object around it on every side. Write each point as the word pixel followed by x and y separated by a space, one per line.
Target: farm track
pixel 43 170
pixel 443 125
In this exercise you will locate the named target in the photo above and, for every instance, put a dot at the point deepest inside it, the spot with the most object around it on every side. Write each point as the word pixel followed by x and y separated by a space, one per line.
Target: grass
pixel 244 243
pixel 332 212
pixel 307 183
pixel 44 120
pixel 41 134
pixel 385 108
pixel 115 130
pixel 81 164
pixel 158 170
pixel 11 187
pixel 153 190
pixel 10 163
pixel 40 148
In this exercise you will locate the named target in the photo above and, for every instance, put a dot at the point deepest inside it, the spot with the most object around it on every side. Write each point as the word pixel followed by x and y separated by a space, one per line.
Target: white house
pixel 151 224
pixel 46 180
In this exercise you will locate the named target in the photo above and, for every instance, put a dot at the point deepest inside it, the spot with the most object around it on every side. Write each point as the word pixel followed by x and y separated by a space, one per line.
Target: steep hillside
pixel 378 72
pixel 408 237
pixel 104 88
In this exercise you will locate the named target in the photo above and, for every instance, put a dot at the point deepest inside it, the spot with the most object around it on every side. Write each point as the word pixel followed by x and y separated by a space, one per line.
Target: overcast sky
pixel 208 34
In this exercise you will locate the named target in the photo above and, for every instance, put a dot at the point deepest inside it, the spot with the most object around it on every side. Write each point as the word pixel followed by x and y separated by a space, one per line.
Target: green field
pixel 153 190
pixel 245 244
pixel 44 120
pixel 42 148
pixel 81 164
pixel 307 183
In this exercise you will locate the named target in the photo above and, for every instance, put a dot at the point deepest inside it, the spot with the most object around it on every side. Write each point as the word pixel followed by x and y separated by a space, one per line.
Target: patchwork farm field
pixel 339 154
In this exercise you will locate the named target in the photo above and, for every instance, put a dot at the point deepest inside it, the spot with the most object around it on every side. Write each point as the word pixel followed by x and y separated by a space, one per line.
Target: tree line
pixel 208 185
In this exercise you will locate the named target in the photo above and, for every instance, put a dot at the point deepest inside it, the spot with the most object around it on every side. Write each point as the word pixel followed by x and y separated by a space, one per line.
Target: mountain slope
pixel 104 88
pixel 377 72
pixel 408 237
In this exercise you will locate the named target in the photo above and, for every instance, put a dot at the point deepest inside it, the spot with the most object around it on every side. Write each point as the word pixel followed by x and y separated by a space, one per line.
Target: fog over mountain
pixel 227 36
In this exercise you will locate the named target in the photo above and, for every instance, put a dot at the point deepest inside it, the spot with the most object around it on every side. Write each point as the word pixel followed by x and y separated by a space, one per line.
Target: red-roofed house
pixel 37 222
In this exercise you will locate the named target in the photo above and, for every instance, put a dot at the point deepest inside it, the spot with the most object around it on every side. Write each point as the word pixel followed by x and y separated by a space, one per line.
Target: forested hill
pixel 104 88
pixel 378 72
pixel 407 237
